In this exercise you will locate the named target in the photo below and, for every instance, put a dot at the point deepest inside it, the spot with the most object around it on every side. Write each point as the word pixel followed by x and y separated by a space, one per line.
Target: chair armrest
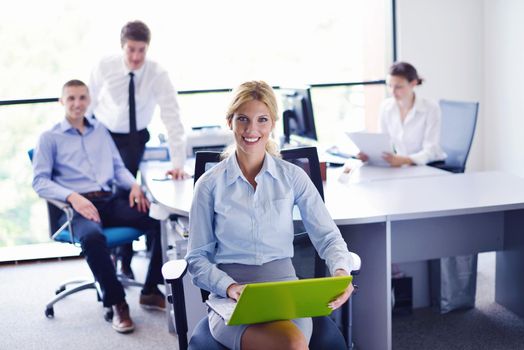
pixel 174 270
pixel 59 204
pixel 68 210
pixel 357 263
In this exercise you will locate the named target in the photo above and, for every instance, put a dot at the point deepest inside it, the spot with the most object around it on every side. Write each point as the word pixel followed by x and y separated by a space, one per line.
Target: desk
pixel 172 197
pixel 426 216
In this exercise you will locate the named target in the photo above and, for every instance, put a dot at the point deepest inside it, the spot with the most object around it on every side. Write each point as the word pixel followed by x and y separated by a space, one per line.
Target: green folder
pixel 272 301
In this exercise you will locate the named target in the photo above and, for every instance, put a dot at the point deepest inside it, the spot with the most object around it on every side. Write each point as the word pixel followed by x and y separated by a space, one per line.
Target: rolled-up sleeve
pixel 202 243
pixel 166 96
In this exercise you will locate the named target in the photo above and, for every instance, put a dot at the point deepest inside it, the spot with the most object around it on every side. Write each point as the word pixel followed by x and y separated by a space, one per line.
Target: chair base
pixel 63 291
pixel 128 282
pixel 82 284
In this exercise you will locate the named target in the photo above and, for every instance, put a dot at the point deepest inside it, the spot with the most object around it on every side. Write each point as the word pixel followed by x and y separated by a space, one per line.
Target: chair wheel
pixel 49 312
pixel 108 315
pixel 59 290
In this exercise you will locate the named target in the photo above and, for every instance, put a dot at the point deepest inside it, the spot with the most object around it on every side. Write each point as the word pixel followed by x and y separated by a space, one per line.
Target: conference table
pixel 394 215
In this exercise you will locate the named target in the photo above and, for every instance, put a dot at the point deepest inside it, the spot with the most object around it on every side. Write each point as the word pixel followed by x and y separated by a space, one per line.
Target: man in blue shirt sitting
pixel 77 162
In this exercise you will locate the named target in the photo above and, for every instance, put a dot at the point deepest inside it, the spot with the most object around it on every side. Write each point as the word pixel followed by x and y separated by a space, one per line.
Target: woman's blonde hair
pixel 259 91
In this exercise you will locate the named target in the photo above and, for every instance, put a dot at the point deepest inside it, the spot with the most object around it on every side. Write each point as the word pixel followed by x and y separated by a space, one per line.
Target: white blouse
pixel 418 136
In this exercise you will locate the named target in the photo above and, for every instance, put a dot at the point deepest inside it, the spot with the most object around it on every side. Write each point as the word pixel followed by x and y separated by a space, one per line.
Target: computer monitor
pixel 298 116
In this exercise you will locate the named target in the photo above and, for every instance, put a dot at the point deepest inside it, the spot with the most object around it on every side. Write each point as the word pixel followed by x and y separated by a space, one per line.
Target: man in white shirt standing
pixel 125 90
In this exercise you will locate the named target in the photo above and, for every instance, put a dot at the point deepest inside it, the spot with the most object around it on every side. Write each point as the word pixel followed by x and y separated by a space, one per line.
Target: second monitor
pixel 298 116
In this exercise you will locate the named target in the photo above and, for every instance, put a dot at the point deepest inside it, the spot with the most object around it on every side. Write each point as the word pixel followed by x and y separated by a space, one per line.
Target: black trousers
pixel 115 211
pixel 131 148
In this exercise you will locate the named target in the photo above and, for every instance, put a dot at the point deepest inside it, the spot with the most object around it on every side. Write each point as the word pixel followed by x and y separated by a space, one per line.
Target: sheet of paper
pixel 372 144
pixel 222 306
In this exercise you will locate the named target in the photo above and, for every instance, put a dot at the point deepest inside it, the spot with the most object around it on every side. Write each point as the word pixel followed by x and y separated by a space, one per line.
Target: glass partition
pixel 203 45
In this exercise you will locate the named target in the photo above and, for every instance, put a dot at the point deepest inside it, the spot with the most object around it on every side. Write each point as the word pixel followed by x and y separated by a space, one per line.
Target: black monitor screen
pixel 298 114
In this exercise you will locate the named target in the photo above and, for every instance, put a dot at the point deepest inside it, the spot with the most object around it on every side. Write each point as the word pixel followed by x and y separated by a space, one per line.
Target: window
pixel 204 45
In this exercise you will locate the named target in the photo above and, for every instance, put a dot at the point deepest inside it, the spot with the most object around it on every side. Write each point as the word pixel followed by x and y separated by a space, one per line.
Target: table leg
pixel 372 303
pixel 509 279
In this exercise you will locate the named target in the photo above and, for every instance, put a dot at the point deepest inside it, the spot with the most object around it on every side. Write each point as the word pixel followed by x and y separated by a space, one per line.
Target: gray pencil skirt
pixel 277 270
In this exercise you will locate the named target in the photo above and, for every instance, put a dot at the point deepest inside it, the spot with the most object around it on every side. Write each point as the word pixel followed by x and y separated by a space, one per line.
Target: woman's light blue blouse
pixel 230 222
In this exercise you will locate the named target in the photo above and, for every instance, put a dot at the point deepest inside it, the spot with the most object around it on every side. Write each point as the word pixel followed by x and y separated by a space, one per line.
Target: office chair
pixel 459 120
pixel 115 236
pixel 325 332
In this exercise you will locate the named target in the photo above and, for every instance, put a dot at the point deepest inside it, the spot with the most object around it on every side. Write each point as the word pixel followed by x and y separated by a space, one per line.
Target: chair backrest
pixel 459 120
pixel 306 260
pixel 307 159
pixel 204 160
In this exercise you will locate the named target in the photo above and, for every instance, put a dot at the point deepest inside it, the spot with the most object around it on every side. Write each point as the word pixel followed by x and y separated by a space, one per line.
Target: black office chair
pixel 459 120
pixel 115 236
pixel 326 334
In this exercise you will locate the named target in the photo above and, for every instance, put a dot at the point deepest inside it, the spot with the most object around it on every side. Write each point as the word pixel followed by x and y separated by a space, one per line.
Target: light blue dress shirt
pixel 230 222
pixel 66 161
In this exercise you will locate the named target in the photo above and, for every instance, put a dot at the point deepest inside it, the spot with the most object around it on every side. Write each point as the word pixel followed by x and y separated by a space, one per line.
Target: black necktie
pixel 132 107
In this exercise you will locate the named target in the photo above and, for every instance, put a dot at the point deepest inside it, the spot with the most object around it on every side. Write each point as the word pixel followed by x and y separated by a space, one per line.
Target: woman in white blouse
pixel 412 122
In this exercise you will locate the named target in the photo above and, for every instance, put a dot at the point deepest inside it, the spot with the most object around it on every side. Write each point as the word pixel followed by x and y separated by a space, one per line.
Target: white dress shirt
pixel 109 89
pixel 418 137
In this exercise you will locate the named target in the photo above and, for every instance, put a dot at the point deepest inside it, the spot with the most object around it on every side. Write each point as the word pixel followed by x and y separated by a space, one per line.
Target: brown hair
pixel 259 91
pixel 136 31
pixel 406 71
pixel 73 82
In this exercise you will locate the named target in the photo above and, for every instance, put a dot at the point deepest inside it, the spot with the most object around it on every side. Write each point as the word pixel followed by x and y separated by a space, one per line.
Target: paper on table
pixel 372 144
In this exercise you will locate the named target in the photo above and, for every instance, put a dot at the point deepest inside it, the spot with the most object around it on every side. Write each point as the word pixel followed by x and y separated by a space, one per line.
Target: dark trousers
pixel 131 148
pixel 115 211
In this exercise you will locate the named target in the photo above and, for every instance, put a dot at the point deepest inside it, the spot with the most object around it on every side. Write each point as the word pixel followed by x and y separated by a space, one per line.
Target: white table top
pixel 176 196
pixel 424 196
pixel 374 193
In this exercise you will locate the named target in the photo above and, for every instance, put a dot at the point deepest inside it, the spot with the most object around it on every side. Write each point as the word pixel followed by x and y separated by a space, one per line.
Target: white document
pixel 222 306
pixel 372 144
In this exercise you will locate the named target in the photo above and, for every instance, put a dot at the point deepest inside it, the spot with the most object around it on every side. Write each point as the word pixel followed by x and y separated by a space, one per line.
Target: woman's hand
pixel 396 160
pixel 341 299
pixel 362 156
pixel 234 291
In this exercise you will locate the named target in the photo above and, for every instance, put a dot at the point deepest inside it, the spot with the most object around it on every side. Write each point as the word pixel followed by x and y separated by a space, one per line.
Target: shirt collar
pixel 137 72
pixel 418 109
pixel 418 106
pixel 65 125
pixel 233 171
pixel 271 166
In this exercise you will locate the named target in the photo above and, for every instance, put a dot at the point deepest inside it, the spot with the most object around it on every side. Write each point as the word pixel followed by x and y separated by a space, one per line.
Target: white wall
pixel 504 85
pixel 443 39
